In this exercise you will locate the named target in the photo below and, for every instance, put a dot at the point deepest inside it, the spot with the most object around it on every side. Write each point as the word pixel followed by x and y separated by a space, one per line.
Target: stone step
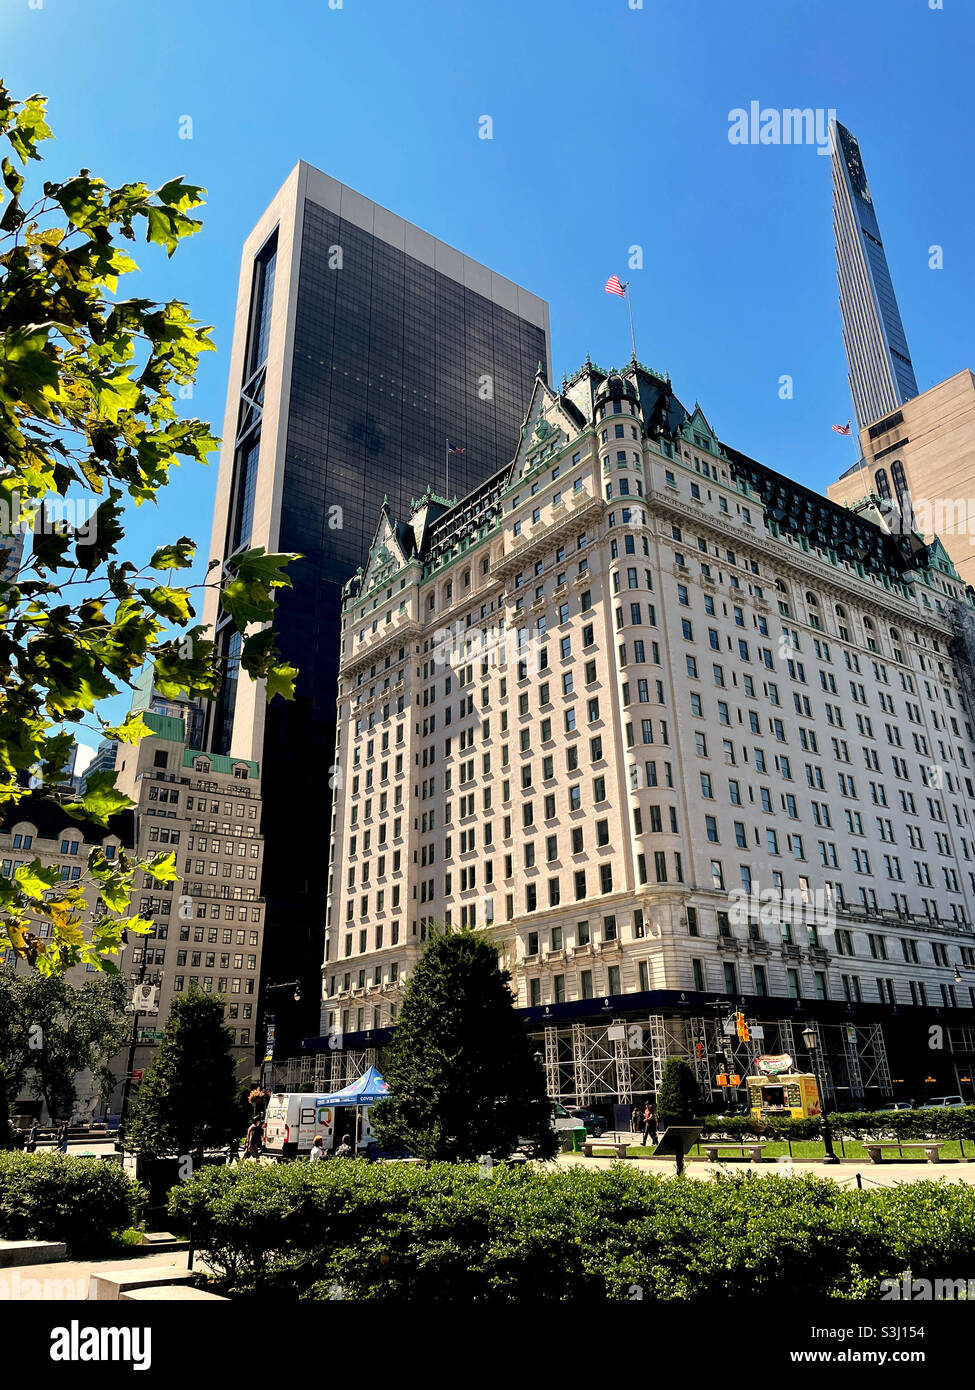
pixel 163 1242
pixel 30 1252
pixel 109 1284
pixel 171 1293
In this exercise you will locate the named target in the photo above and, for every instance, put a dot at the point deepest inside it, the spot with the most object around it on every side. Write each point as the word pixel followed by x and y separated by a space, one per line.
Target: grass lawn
pixel 812 1149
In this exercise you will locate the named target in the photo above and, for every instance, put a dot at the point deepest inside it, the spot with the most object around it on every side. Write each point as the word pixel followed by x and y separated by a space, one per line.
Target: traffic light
pixel 741 1027
pixel 700 1050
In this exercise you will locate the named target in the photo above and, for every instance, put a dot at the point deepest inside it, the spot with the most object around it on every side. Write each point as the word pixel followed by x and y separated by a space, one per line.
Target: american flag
pixel 842 429
pixel 613 286
pixel 453 449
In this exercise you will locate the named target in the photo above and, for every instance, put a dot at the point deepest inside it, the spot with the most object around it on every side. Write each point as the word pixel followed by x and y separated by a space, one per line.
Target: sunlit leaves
pixel 91 421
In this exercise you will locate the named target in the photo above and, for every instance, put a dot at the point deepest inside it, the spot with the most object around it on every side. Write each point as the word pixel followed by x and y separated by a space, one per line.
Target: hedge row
pixel 449 1233
pixel 958 1123
pixel 85 1202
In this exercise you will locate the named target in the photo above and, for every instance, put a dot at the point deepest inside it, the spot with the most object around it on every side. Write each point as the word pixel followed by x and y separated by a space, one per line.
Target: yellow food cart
pixel 781 1092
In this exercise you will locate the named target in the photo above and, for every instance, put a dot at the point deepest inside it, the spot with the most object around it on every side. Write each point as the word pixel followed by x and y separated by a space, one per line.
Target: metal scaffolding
pixel 585 1066
pixel 873 1058
pixel 851 1056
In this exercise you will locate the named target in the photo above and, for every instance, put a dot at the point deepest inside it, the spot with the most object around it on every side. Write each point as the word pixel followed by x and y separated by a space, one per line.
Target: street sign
pixel 758 1032
pixel 730 1027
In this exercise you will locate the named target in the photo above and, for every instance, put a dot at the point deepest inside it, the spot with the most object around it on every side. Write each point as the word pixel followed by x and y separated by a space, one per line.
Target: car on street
pixel 595 1124
pixel 943 1103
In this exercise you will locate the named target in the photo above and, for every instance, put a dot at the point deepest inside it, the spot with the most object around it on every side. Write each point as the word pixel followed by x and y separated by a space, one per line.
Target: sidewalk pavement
pixel 68 1279
pixel 844 1173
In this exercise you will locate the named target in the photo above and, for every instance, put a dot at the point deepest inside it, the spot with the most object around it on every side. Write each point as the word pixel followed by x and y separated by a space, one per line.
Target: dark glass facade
pixel 391 358
pixel 881 373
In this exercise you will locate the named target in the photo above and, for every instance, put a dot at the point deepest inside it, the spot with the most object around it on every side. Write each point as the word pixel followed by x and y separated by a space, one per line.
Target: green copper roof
pixel 220 762
pixel 165 726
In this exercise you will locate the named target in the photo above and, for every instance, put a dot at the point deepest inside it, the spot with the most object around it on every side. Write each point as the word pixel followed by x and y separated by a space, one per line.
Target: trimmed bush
pixel 679 1097
pixel 956 1123
pixel 86 1202
pixel 448 1233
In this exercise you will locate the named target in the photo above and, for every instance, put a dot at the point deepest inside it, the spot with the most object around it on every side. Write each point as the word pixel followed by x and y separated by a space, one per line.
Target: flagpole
pixel 446 446
pixel 629 306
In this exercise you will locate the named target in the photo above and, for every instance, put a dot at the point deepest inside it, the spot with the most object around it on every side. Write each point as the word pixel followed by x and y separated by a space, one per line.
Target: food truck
pixel 778 1091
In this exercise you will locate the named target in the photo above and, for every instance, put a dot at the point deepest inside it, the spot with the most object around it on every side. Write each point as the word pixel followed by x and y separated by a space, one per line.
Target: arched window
pixel 868 624
pixel 883 482
pixel 812 600
pixel 840 611
pixel 900 487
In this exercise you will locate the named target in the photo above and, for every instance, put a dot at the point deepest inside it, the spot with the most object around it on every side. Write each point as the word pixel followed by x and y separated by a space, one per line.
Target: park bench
pixel 754 1150
pixel 875 1149
pixel 620 1147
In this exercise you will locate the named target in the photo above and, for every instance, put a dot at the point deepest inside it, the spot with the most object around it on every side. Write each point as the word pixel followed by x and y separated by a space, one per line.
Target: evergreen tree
pixel 8 1139
pixel 461 1069
pixel 679 1098
pixel 188 1099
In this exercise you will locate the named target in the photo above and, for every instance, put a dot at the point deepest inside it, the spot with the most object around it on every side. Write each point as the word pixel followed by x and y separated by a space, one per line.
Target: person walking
pixel 317 1150
pixel 62 1140
pixel 252 1148
pixel 649 1122
pixel 32 1138
pixel 233 1152
pixel 345 1149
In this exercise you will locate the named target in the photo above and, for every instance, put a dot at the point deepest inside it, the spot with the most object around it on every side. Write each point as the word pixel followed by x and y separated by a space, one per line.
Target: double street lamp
pixel 811 1038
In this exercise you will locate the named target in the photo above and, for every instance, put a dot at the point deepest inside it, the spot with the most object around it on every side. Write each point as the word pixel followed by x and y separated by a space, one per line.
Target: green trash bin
pixel 578 1139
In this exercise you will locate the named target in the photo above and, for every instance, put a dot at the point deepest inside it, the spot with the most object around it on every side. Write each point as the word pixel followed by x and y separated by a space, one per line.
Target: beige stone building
pixel 206 809
pixel 924 453
pixel 38 827
pixel 677 733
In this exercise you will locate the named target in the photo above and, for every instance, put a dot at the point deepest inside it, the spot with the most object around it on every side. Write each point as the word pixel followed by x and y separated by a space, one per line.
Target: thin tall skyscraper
pixel 880 369
pixel 362 345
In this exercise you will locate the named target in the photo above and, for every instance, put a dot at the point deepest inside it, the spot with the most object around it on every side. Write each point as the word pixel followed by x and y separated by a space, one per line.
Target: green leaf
pixel 100 800
pixel 162 867
pixel 34 879
pixel 132 728
pixel 174 557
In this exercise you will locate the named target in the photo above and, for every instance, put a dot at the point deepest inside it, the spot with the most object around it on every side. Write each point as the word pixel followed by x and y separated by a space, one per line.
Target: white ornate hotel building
pixel 678 733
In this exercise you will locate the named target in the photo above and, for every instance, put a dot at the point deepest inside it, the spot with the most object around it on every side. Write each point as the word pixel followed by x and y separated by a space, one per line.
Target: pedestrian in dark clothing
pixel 345 1149
pixel 233 1152
pixel 32 1138
pixel 252 1149
pixel 63 1138
pixel 649 1122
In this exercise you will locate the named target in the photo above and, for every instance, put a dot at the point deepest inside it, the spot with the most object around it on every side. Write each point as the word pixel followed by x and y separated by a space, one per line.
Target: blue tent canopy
pixel 365 1090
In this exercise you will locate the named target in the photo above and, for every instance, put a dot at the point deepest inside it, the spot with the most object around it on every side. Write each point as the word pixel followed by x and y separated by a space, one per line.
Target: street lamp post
pixel 267 1067
pixel 138 978
pixel 811 1038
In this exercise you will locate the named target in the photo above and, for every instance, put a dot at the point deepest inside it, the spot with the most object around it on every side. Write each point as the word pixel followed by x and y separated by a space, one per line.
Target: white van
pixel 292 1121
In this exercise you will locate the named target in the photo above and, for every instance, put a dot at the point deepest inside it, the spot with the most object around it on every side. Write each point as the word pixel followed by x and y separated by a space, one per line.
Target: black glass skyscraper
pixel 362 344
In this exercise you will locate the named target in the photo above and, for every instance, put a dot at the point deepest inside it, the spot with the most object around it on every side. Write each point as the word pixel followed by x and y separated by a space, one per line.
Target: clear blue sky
pixel 610 129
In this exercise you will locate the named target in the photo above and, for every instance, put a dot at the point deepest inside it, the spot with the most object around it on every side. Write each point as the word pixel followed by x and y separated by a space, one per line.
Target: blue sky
pixel 610 129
